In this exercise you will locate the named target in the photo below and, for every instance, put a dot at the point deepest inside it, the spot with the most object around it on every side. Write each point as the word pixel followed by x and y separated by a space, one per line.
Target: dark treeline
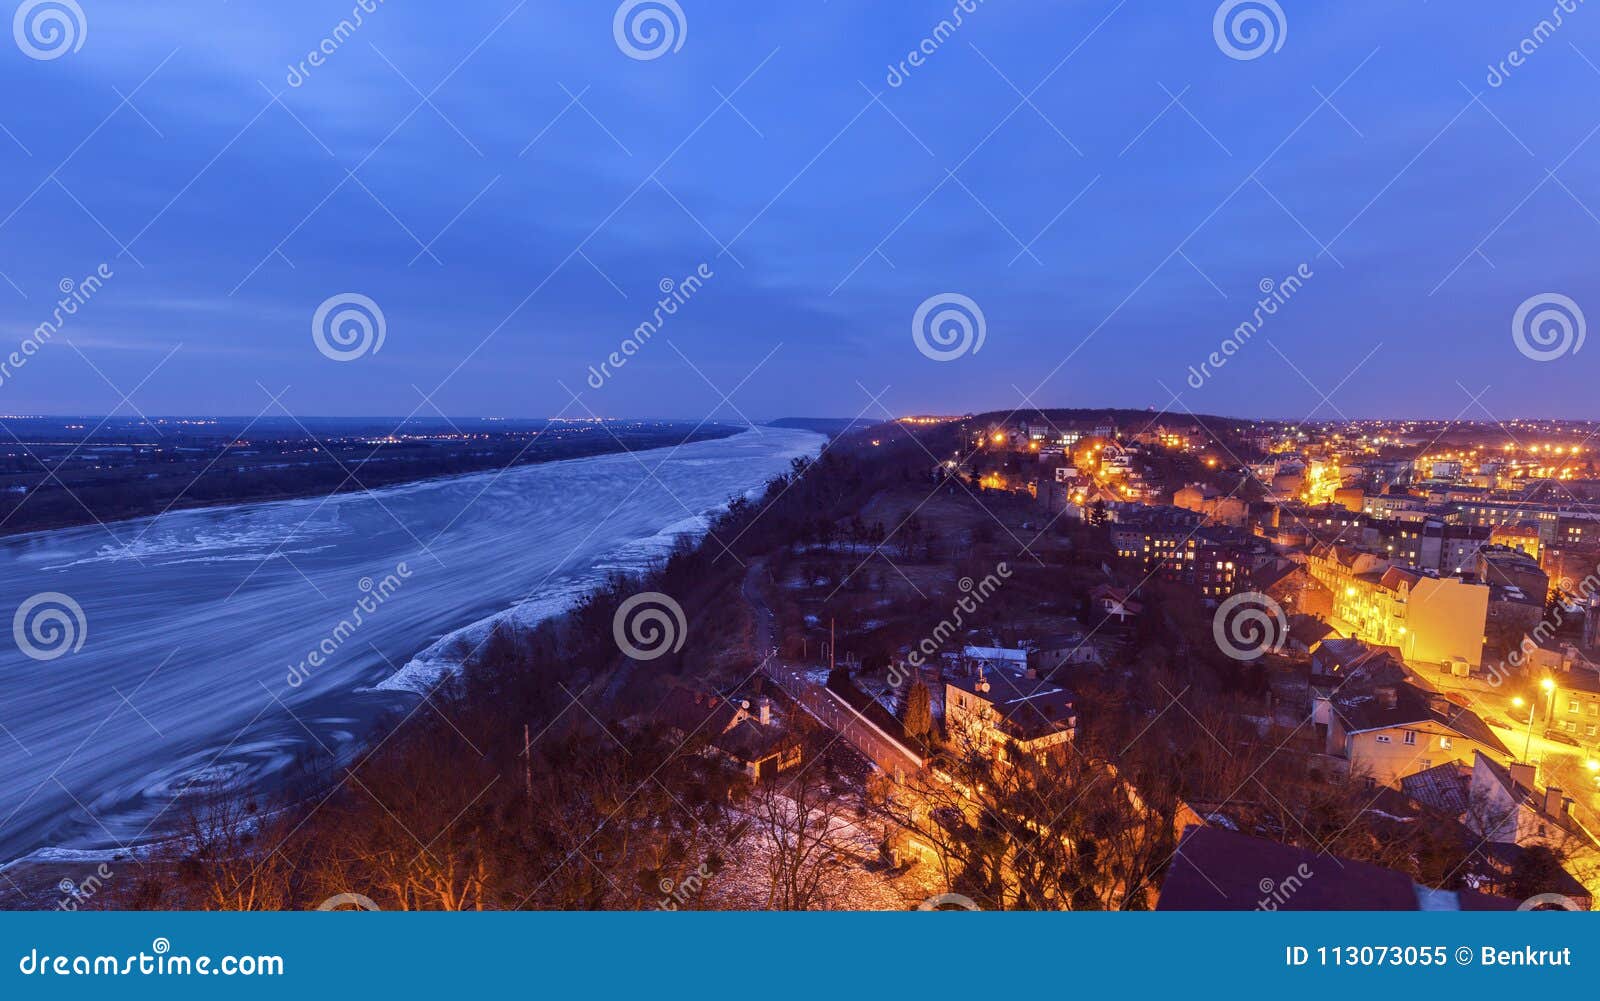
pixel 46 490
pixel 446 810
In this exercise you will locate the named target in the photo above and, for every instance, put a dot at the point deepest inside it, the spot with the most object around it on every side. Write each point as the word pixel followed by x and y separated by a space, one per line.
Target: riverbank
pixel 235 635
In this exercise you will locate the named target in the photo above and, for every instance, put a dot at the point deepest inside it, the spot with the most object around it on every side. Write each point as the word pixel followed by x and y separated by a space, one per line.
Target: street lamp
pixel 1527 742
pixel 1549 686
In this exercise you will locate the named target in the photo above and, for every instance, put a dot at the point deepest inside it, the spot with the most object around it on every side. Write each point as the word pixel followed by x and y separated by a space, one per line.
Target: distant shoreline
pixel 17 525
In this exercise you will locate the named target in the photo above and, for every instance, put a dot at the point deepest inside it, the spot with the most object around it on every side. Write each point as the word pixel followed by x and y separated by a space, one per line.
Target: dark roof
pixel 1061 641
pixel 718 722
pixel 1358 662
pixel 1027 707
pixel 1394 576
pixel 1218 870
pixel 1504 856
pixel 1307 630
pixel 1442 788
pixel 1530 798
pixel 1367 711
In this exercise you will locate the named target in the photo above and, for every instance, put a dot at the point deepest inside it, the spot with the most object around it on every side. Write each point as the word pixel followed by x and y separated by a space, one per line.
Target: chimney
pixel 983 683
pixel 1523 774
pixel 1388 698
pixel 1555 804
pixel 764 707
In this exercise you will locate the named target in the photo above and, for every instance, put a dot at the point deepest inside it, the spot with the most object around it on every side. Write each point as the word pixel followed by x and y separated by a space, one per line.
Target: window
pixel 1572 705
pixel 1411 737
pixel 1444 742
pixel 1382 738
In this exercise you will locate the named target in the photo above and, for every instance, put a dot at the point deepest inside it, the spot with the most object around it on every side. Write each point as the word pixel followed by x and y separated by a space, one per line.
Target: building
pixel 1432 620
pixel 1116 602
pixel 1393 730
pixel 1075 646
pixel 1350 661
pixel 1505 804
pixel 1574 707
pixel 750 735
pixel 1008 714
pixel 994 658
pixel 1513 568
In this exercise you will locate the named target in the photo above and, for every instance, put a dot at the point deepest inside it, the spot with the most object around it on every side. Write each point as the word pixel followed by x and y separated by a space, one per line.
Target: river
pixel 190 667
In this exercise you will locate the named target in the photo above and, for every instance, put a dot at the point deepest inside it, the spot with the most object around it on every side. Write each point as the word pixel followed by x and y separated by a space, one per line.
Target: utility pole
pixel 830 646
pixel 527 763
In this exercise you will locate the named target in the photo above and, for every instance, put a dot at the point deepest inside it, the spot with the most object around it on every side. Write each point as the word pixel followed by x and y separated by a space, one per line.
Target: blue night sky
pixel 513 237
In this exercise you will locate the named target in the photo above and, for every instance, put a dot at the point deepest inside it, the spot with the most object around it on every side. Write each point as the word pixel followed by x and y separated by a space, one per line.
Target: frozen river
pixel 193 624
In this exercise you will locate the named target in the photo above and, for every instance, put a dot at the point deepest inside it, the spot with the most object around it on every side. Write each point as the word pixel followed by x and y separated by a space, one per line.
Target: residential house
pixel 1074 646
pixel 1116 602
pixel 1392 730
pixel 751 736
pixel 993 658
pixel 1007 714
